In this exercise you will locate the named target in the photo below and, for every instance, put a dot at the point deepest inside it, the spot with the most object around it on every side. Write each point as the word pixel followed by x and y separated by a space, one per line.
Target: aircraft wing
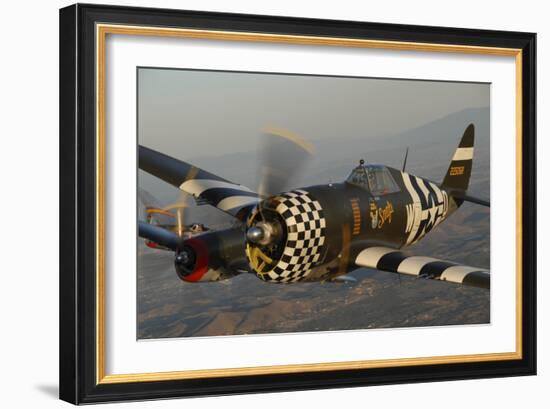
pixel 395 261
pixel 227 196
pixel 159 235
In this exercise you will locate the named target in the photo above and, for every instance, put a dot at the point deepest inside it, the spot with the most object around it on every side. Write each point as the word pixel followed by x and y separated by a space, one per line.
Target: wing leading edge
pixel 395 261
pixel 227 196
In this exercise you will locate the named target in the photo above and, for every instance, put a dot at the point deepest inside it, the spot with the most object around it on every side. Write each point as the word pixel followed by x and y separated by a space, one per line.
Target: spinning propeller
pixel 169 214
pixel 178 207
pixel 283 157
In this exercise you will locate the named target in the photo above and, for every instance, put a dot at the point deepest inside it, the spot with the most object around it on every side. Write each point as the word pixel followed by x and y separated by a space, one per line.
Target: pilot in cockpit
pixel 359 176
pixel 375 178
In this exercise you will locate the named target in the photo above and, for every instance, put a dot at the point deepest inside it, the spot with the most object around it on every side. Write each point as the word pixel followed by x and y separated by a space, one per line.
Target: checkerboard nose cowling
pixel 306 229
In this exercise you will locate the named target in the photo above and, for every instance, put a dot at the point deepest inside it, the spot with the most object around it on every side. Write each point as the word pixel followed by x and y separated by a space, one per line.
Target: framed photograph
pixel 258 203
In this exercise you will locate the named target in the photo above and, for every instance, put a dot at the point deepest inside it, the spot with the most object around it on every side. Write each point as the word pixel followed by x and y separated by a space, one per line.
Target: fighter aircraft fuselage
pixel 399 214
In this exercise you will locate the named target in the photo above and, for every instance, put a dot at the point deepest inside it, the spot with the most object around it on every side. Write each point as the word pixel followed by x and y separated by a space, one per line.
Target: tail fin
pixel 457 177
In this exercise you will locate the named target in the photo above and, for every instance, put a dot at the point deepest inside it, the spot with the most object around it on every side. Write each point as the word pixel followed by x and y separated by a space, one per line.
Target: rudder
pixel 457 177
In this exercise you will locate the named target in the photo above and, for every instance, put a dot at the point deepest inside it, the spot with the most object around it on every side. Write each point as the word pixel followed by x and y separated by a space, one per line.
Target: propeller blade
pixel 179 218
pixel 283 157
pixel 183 200
pixel 147 199
pixel 178 207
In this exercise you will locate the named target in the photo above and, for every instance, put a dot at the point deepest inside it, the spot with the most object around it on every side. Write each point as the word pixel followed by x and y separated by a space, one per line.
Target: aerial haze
pixel 214 120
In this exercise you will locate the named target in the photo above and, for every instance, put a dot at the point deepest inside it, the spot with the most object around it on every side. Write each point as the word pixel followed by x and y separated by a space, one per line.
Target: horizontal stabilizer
pixel 471 199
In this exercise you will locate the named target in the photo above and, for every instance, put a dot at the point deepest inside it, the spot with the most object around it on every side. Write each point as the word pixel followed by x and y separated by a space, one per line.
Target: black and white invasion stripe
pixel 395 261
pixel 226 196
pixel 219 192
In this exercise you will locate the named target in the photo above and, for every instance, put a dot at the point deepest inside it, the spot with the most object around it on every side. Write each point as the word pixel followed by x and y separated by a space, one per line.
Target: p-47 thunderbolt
pixel 314 233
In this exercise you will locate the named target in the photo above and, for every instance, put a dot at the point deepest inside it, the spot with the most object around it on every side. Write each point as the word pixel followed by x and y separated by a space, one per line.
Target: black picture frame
pixel 78 355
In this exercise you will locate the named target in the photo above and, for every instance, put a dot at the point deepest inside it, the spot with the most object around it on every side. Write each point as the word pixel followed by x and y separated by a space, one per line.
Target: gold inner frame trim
pixel 101 33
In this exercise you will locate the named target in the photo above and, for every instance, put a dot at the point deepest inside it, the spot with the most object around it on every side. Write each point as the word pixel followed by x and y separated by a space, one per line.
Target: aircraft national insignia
pixel 312 233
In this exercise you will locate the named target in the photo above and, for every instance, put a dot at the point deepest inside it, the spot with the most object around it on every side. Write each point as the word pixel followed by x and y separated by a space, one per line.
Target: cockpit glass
pixel 358 177
pixel 376 178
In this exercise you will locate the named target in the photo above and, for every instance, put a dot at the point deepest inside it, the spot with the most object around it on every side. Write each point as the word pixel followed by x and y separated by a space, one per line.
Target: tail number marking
pixel 456 170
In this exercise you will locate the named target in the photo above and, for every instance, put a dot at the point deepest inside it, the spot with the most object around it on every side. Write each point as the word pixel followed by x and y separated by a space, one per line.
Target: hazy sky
pixel 214 120
pixel 212 113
